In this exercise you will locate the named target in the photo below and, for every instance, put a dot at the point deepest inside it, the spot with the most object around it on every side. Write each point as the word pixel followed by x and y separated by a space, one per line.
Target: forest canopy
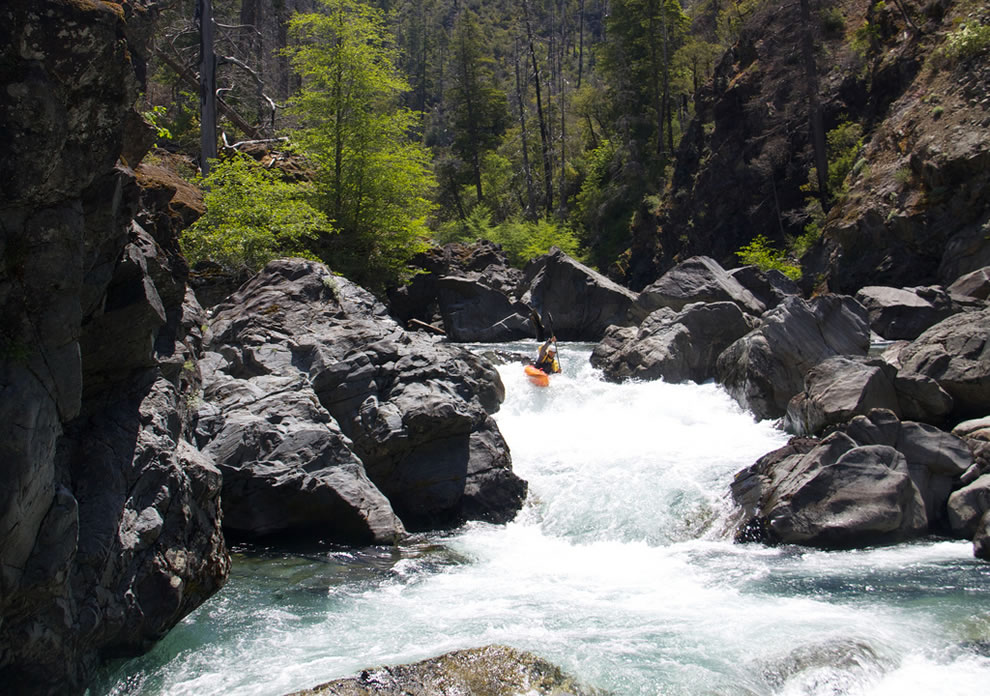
pixel 534 123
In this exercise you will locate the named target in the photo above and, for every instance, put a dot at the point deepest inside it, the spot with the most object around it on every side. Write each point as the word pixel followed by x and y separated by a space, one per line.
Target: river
pixel 617 569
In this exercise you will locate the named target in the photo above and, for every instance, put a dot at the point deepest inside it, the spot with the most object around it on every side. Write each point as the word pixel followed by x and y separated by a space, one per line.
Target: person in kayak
pixel 546 358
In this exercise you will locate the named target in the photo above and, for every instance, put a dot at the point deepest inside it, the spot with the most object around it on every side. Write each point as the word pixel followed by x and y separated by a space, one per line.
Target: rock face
pixel 109 519
pixel 765 368
pixel 494 670
pixel 674 346
pixel 356 422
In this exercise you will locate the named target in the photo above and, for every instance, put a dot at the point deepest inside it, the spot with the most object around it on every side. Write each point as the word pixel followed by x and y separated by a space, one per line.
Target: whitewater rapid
pixel 618 569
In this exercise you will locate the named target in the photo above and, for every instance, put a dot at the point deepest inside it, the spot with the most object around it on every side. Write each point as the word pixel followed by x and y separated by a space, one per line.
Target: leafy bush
pixel 969 40
pixel 762 254
pixel 252 216
pixel 520 240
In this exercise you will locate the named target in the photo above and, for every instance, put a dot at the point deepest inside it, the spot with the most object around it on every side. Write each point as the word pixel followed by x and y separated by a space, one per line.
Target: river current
pixel 618 569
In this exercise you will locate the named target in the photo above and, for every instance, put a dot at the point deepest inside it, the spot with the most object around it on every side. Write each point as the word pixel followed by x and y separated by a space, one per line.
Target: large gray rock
pixel 921 398
pixel 411 409
pixel 494 670
pixel 674 346
pixel 981 540
pixel 956 354
pixel 582 302
pixel 839 388
pixel 905 313
pixel 764 369
pixel 829 494
pixel 770 287
pixel 974 284
pixel 698 279
pixel 936 460
pixel 968 506
pixel 473 311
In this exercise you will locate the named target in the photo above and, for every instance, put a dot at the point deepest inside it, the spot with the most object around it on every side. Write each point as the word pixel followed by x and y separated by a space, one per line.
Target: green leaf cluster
pixel 374 181
pixel 252 216
pixel 521 240
pixel 761 253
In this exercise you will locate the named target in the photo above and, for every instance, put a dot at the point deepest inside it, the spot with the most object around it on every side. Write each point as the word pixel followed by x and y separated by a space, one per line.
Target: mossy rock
pixel 494 670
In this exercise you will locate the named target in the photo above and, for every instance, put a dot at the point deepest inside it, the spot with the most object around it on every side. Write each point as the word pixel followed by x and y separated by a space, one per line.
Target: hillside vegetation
pixel 844 141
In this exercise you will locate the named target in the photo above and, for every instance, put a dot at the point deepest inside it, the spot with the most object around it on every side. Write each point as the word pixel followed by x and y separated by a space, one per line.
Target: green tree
pixel 480 109
pixel 373 178
pixel 252 216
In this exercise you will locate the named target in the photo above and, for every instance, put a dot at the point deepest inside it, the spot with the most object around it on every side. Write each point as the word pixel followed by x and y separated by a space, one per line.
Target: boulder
pixel 839 388
pixel 765 368
pixel 899 314
pixel 473 311
pixel 921 398
pixel 287 468
pixel 412 410
pixel 482 262
pixel 969 506
pixel 973 284
pixel 956 354
pixel 494 670
pixel 976 428
pixel 582 302
pixel 674 346
pixel 771 287
pixel 698 279
pixel 829 494
pixel 981 540
pixel 936 460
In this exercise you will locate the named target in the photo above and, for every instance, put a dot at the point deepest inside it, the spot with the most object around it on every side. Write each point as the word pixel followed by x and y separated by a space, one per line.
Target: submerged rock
pixel 494 670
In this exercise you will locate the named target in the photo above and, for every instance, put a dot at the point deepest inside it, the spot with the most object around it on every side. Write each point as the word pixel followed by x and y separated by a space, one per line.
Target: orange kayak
pixel 537 376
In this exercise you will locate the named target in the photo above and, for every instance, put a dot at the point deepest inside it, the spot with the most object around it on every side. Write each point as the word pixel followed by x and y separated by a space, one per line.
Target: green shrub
pixel 252 216
pixel 969 40
pixel 762 254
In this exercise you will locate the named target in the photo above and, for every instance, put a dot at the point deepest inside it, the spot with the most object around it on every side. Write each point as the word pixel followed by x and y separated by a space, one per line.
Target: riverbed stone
pixel 956 354
pixel 968 506
pixel 697 279
pixel 582 302
pixel 905 313
pixel 494 670
pixel 829 494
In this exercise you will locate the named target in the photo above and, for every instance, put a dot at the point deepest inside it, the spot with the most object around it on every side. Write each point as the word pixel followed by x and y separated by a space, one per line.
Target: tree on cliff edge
pixel 373 180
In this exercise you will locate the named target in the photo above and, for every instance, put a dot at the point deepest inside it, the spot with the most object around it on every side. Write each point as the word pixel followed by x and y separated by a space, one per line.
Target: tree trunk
pixel 544 136
pixel 207 86
pixel 527 170
pixel 814 108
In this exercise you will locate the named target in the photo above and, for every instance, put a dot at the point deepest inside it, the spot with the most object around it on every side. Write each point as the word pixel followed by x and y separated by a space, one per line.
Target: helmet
pixel 552 348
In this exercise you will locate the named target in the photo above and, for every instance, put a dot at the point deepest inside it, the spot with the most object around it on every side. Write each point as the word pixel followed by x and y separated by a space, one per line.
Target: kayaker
pixel 546 358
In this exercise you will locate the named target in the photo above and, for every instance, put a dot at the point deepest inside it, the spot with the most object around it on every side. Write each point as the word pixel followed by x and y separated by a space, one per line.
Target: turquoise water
pixel 618 570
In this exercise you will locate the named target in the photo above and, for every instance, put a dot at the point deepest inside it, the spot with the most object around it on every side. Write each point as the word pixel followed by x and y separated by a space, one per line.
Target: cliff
pixel 109 521
pixel 913 208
